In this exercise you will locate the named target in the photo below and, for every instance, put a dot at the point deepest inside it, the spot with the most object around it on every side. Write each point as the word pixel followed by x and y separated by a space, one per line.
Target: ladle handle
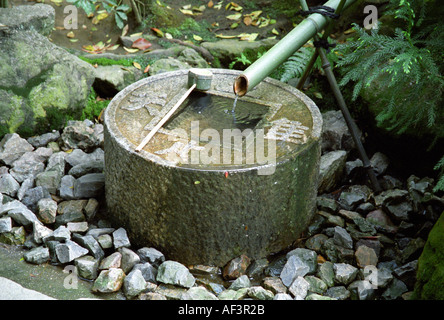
pixel 164 119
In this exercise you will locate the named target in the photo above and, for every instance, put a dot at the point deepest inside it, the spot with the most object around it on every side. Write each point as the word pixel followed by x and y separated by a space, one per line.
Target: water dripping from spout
pixel 233 110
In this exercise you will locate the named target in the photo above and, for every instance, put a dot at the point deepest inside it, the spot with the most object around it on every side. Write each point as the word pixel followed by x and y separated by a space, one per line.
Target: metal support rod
pixel 349 120
pixel 340 99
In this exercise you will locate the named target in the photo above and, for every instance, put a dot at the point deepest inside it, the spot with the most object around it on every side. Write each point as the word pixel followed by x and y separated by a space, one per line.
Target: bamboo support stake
pixel 164 119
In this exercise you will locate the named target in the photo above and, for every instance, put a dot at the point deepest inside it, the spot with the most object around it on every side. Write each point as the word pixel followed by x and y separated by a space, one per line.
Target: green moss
pixel 430 274
pixel 190 27
pixel 108 62
pixel 93 107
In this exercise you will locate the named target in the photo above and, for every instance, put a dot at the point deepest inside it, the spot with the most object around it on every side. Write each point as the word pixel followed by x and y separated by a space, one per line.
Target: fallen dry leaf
pixel 130 50
pixel 248 20
pixel 146 69
pixel 141 44
pixel 70 34
pixel 235 16
pixel 137 65
pixel 210 4
pixel 158 32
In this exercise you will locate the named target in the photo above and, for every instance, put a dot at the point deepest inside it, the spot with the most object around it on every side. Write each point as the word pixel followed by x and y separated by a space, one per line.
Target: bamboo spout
pixel 282 50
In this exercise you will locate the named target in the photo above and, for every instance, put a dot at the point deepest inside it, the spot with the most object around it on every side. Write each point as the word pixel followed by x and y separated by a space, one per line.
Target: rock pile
pixel 360 245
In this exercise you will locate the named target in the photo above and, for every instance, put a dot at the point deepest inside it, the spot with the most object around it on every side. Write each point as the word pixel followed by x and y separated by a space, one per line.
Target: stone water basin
pixel 211 184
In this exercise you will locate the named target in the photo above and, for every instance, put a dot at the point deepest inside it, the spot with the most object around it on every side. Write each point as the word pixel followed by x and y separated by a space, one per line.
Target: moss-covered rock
pixel 41 86
pixel 430 274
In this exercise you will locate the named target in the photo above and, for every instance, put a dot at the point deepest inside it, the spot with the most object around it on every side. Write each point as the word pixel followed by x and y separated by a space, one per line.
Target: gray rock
pixel 87 267
pixel 39 17
pixel 366 256
pixel 299 288
pixel 332 219
pixel 344 273
pixel 78 135
pixel 274 284
pixel 27 184
pixel 316 284
pixel 407 272
pixel 5 224
pixel 331 170
pixel 400 211
pixel 149 272
pixel 11 205
pixel 23 216
pixel 233 294
pixel 228 49
pixel 58 83
pixel 28 166
pixel 151 255
pixel 105 241
pixel 133 284
pixel 8 185
pixel 241 282
pixel 79 227
pixel 120 239
pixel 395 290
pixel 112 79
pixel 66 189
pixel 78 156
pixel 61 234
pixel 353 196
pixel 97 232
pixel 91 244
pixel 361 290
pixel 315 242
pixel 380 163
pixel 114 260
pixel 91 208
pixel 326 273
pixel 295 267
pixel 110 280
pixel 12 147
pixel 191 57
pixel 33 195
pixel 166 65
pixel 282 296
pixel 391 197
pixel 47 210
pixel 40 232
pixel 44 139
pixel 342 238
pixel 89 186
pixel 172 272
pixel 326 204
pixel 339 293
pixel 315 296
pixel 69 251
pixel 199 293
pixel 335 133
pixel 129 259
pixel 259 293
pixel 70 211
pixel 52 176
pixel 79 170
pixel 37 255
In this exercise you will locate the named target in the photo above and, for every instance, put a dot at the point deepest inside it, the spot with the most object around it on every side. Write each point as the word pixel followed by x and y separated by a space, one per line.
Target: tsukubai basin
pixel 197 195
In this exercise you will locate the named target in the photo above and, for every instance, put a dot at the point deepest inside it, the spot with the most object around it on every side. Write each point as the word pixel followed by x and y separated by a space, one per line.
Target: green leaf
pixel 123 7
pixel 122 15
pixel 119 22
pixel 111 2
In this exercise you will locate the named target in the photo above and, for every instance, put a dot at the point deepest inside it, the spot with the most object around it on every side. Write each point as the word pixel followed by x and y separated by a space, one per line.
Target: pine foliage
pixel 405 69
pixel 295 65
